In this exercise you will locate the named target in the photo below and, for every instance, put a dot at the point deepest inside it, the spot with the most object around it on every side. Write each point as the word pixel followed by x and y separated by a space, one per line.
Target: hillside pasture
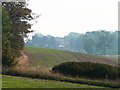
pixel 42 57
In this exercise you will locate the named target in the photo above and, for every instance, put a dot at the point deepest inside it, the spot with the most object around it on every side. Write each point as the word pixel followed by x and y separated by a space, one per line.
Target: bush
pixel 88 70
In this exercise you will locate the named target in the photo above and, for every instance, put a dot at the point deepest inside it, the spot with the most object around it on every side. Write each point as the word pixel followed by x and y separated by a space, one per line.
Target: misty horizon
pixel 39 33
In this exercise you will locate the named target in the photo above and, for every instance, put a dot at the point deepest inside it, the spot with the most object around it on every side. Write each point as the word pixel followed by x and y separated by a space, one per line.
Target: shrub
pixel 88 70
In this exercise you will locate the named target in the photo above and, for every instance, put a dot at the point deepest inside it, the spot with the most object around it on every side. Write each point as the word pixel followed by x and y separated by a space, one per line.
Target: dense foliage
pixel 15 17
pixel 7 53
pixel 96 42
pixel 88 70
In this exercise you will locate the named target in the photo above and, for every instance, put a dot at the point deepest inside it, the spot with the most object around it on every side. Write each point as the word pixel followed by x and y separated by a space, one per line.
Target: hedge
pixel 88 70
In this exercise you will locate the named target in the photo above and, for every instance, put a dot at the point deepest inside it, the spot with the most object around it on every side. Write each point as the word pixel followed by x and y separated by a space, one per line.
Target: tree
pixel 105 41
pixel 7 55
pixel 13 37
pixel 89 45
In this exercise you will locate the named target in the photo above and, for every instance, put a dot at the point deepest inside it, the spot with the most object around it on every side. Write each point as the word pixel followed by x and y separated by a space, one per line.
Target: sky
pixel 60 17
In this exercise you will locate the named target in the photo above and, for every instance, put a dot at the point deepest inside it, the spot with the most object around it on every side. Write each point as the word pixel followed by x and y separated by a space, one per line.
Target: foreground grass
pixel 49 57
pixel 45 74
pixel 21 82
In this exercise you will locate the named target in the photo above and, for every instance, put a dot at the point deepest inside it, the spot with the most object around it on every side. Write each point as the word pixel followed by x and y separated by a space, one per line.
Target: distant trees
pixel 89 45
pixel 96 42
pixel 15 24
pixel 100 42
pixel 118 42
pixel 105 42
pixel 43 41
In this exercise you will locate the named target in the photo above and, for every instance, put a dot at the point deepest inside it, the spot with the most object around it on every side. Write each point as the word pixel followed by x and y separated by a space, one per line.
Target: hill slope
pixel 49 57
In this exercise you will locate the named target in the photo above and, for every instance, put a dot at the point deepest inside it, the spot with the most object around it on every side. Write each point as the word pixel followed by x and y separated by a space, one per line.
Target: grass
pixel 39 73
pixel 49 57
pixel 21 82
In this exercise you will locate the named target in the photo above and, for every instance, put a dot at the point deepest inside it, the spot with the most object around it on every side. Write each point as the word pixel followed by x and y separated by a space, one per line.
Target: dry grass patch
pixel 44 73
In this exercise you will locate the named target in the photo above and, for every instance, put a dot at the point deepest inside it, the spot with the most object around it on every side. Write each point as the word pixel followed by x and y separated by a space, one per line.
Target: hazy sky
pixel 59 17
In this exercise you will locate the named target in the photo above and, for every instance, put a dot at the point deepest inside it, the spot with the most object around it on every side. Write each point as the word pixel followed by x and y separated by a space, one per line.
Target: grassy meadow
pixel 49 57
pixel 18 82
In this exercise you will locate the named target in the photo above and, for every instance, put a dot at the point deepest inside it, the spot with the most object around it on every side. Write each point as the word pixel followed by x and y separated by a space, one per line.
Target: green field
pixel 21 82
pixel 49 57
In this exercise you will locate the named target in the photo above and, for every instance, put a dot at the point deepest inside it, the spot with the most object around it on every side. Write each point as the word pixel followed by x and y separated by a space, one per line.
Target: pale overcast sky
pixel 59 17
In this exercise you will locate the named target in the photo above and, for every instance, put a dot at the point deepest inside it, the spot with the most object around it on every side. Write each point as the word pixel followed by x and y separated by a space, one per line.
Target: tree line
pixel 99 42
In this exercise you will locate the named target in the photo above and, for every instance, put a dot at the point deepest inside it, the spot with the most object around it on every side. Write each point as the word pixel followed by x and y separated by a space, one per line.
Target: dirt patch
pixel 23 60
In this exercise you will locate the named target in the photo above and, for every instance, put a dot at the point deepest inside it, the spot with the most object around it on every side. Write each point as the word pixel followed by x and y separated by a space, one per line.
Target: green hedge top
pixel 88 70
